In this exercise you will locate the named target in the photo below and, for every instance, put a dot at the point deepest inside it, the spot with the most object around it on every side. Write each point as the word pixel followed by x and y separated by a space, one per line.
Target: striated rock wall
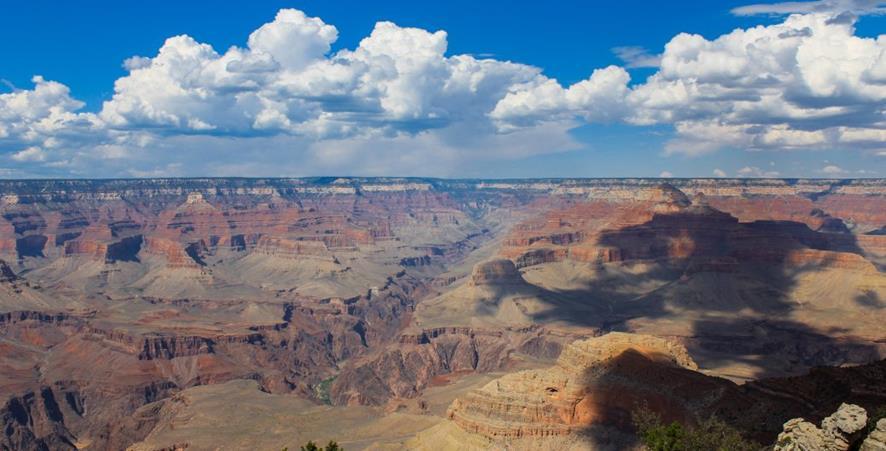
pixel 496 272
pixel 117 368
pixel 588 385
pixel 284 248
pixel 597 383
pixel 403 371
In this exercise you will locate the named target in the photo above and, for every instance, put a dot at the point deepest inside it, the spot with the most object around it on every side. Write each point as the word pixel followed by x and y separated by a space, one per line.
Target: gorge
pixel 156 314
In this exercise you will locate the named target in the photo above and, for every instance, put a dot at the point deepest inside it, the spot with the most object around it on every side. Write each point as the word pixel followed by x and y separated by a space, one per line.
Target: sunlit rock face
pixel 583 388
pixel 496 272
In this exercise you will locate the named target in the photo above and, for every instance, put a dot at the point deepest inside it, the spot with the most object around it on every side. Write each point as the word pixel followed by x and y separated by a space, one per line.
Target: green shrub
pixel 311 446
pixel 710 435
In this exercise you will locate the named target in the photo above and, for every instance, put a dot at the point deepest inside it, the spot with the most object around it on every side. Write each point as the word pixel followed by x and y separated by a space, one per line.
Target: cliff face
pixel 597 383
pixel 118 370
pixel 405 370
pixel 115 294
pixel 49 218
pixel 496 272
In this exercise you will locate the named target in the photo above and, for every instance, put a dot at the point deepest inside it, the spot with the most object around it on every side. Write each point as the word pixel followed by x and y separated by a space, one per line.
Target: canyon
pixel 391 313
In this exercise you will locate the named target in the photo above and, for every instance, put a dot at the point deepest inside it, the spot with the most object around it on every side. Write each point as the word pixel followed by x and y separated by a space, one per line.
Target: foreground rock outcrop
pixel 876 440
pixel 837 433
pixel 587 399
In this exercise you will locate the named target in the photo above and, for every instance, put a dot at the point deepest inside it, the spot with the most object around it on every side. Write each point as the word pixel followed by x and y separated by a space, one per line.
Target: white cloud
pixel 600 98
pixel 862 135
pixel 398 84
pixel 791 85
pixel 818 6
pixel 397 80
pixel 754 171
pixel 637 57
pixel 38 126
pixel 808 82
pixel 292 40
pixel 31 117
pixel 32 153
pixel 666 174
pixel 719 173
pixel 832 169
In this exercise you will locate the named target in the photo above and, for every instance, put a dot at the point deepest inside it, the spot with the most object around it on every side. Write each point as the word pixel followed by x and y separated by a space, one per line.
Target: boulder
pixel 837 431
pixel 876 440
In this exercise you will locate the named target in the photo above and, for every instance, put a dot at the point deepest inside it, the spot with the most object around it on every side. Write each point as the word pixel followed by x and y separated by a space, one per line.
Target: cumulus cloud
pixel 398 84
pixel 32 153
pixel 35 115
pixel 600 98
pixel 285 81
pixel 832 169
pixel 754 171
pixel 797 84
pixel 719 173
pixel 293 40
pixel 39 125
pixel 666 174
pixel 807 82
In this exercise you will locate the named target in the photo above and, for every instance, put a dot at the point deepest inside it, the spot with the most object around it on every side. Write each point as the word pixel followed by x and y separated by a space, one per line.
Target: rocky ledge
pixel 841 431
pixel 580 390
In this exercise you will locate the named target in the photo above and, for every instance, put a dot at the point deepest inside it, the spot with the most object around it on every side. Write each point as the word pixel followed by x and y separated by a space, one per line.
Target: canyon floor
pixel 388 313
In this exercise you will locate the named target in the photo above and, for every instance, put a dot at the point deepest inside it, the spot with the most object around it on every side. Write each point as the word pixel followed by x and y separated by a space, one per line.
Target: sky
pixel 491 89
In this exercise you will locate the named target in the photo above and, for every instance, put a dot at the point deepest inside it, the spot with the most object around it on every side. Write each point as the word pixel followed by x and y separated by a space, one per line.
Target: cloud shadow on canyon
pixel 726 291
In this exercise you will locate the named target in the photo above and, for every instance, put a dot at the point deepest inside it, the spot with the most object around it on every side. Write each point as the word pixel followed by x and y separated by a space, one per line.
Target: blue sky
pixel 402 128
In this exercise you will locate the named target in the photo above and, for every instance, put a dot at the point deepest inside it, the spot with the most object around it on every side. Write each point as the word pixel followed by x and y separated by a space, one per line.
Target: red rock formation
pixel 405 370
pixel 282 247
pixel 496 272
pixel 92 242
pixel 599 382
pixel 584 388
pixel 7 239
pixel 172 251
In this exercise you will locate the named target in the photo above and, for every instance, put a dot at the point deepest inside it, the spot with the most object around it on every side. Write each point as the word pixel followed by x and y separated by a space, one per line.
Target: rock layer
pixel 597 383
pixel 584 388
